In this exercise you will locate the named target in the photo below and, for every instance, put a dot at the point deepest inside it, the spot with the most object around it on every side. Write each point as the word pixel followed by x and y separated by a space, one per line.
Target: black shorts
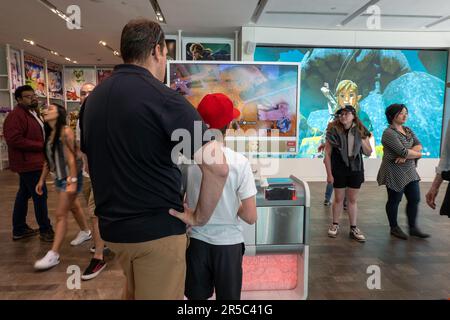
pixel 210 267
pixel 348 180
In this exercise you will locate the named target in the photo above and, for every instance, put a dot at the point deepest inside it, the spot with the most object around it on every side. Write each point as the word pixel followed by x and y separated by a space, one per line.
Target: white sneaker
pixel 81 237
pixel 51 259
pixel 357 235
pixel 333 230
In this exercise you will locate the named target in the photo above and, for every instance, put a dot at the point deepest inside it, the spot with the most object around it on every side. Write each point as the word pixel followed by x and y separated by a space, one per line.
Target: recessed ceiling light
pixel 104 44
pixel 53 52
pixel 158 12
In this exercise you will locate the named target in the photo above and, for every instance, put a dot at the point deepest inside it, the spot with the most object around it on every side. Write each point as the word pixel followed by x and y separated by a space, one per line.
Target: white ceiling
pixel 104 20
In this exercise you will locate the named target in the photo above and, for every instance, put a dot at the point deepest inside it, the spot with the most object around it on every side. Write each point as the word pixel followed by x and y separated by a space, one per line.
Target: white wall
pixel 313 169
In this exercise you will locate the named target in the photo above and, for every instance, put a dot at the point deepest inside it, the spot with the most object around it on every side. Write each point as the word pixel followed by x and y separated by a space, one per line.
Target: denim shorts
pixel 61 184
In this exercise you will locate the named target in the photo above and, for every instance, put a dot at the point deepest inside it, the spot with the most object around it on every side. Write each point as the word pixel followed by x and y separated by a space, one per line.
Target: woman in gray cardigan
pixel 398 171
pixel 346 141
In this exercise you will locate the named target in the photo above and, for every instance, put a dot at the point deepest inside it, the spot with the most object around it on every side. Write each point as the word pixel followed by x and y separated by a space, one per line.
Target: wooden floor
pixel 413 269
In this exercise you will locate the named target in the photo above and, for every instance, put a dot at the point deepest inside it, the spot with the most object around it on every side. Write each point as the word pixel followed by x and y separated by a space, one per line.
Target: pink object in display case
pixel 270 272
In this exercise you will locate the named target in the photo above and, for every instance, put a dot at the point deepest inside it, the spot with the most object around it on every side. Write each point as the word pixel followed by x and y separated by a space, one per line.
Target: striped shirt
pixel 57 162
pixel 395 144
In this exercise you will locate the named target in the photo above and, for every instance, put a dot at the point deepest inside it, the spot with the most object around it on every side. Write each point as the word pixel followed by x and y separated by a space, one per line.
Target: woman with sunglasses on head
pixel 398 171
pixel 64 160
pixel 346 141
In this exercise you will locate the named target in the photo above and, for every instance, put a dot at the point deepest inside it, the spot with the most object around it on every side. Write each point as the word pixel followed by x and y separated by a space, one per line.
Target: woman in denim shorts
pixel 64 160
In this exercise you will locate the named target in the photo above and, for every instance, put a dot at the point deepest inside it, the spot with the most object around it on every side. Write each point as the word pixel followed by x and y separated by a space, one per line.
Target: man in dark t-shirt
pixel 128 123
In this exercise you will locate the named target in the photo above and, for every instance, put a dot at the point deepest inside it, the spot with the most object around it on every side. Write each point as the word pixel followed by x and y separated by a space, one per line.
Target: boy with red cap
pixel 214 255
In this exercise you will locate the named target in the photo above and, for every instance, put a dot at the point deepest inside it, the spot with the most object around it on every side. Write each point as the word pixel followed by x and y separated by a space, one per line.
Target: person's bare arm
pixel 417 148
pixel 327 161
pixel 214 167
pixel 247 210
pixel 433 192
pixel 41 181
pixel 366 147
pixel 70 154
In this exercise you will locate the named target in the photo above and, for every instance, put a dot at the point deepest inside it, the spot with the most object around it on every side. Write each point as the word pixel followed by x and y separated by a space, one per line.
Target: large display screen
pixel 266 94
pixel 370 80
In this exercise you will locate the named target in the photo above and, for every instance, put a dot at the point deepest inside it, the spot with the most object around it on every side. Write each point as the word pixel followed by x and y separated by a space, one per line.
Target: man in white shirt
pixel 442 170
pixel 214 255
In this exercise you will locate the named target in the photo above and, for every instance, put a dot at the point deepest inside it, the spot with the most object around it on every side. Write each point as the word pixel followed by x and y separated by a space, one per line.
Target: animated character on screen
pixel 278 114
pixel 198 52
pixel 346 94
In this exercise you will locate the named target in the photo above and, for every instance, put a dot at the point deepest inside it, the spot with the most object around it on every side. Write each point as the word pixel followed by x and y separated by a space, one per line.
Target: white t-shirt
pixel 39 120
pixel 224 226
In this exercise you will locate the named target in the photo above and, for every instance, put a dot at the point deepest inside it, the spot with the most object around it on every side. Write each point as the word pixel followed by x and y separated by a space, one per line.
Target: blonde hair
pixel 346 85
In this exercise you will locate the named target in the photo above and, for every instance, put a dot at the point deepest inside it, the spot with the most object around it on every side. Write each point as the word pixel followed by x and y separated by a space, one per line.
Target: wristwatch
pixel 72 180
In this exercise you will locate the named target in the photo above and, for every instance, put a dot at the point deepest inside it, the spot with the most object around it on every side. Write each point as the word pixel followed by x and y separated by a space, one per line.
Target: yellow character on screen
pixel 347 94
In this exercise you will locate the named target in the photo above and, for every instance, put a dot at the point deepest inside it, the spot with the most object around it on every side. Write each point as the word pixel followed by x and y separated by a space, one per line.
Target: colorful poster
pixel 55 84
pixel 171 45
pixel 370 80
pixel 15 63
pixel 35 74
pixel 74 78
pixel 103 74
pixel 208 49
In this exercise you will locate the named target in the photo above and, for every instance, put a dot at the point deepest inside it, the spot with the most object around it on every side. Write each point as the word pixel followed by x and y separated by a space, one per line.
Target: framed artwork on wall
pixel 55 80
pixel 103 73
pixel 16 69
pixel 208 49
pixel 35 74
pixel 171 44
pixel 74 78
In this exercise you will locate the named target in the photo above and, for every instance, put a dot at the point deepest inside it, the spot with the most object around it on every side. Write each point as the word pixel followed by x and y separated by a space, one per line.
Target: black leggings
pixel 412 193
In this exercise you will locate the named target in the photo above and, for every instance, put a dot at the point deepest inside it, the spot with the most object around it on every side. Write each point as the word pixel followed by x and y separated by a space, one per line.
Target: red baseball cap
pixel 217 110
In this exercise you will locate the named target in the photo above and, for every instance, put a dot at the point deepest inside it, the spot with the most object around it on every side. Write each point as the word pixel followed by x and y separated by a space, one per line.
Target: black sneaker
pixel 25 234
pixel 327 203
pixel 95 267
pixel 47 236
pixel 415 232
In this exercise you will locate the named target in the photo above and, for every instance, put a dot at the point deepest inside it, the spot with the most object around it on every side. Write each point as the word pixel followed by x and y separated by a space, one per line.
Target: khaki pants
pixel 154 270
pixel 89 196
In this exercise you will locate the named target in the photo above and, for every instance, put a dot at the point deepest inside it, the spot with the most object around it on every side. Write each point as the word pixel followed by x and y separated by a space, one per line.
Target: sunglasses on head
pixel 157 40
